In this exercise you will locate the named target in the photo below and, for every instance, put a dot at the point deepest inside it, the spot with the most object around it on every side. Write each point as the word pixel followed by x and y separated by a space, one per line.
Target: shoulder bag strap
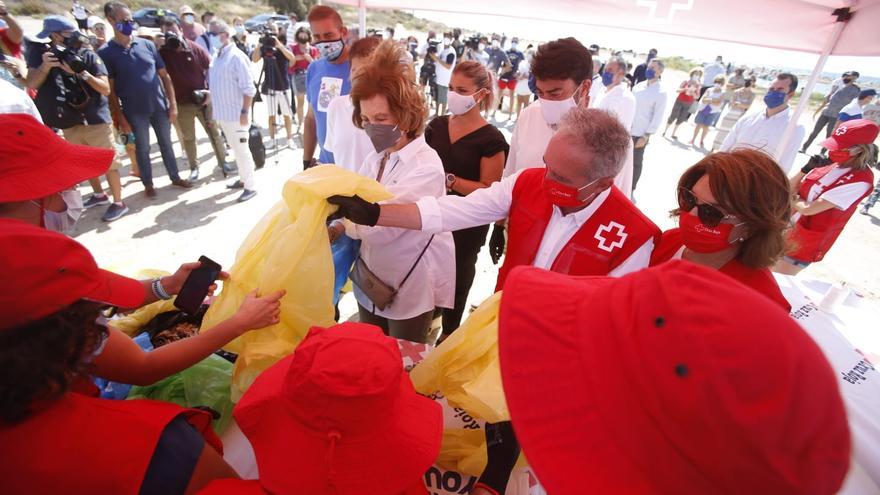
pixel 413 267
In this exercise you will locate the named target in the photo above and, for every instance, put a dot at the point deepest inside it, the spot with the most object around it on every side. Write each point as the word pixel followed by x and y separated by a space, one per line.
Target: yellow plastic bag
pixel 288 249
pixel 465 368
pixel 132 323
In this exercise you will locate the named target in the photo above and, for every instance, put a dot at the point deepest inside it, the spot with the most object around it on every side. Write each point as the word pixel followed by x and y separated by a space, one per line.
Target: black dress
pixel 463 159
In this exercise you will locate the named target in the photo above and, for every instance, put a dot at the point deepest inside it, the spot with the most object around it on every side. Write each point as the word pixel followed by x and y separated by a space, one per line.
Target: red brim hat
pixel 35 162
pixel 292 456
pixel 852 133
pixel 48 271
pixel 675 379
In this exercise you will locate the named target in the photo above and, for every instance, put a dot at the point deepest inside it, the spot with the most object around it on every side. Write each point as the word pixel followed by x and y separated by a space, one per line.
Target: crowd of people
pixel 589 283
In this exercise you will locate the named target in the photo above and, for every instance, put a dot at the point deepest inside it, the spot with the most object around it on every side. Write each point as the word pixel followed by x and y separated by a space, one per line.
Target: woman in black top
pixel 473 154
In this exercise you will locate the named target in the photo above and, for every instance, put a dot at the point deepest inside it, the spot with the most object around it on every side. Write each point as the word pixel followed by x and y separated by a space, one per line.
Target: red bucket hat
pixel 340 416
pixel 674 379
pixel 35 162
pixel 44 272
pixel 852 133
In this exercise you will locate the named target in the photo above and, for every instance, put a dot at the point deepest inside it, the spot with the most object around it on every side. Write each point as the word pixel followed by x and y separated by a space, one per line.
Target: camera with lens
pixel 473 42
pixel 199 96
pixel 68 56
pixel 172 40
pixel 432 46
pixel 268 40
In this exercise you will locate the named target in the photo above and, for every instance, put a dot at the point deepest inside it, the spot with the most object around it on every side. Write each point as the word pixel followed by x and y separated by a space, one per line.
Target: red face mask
pixel 702 239
pixel 563 195
pixel 839 156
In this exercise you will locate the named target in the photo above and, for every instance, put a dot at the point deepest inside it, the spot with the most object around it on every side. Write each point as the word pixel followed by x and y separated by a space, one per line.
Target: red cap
pixel 35 162
pixel 340 416
pixel 851 133
pixel 44 272
pixel 661 382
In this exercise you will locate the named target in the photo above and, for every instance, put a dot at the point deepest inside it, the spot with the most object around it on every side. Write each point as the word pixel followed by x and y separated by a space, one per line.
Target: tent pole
pixel 843 15
pixel 362 18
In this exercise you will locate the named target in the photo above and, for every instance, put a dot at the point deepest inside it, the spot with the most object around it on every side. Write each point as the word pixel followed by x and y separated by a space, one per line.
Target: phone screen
pixel 195 288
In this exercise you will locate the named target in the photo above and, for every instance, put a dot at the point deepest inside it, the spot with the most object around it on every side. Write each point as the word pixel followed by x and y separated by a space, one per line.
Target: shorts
pixel 511 84
pixel 680 112
pixel 442 94
pixel 523 90
pixel 97 135
pixel 797 263
pixel 279 103
pixel 299 82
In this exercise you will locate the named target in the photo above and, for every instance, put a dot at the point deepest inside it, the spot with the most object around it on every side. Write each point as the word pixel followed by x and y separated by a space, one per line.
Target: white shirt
pixel 490 204
pixel 229 78
pixel 15 100
pixel 350 146
pixel 711 72
pixel 842 196
pixel 442 75
pixel 853 109
pixel 620 101
pixel 529 140
pixel 413 172
pixel 597 90
pixel 650 106
pixel 755 130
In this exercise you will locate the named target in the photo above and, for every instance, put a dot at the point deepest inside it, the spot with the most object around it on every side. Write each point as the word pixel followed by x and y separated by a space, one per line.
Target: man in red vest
pixel 567 217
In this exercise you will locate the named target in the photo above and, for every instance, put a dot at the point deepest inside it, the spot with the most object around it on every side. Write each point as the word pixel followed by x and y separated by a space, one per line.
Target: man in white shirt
pixel 650 107
pixel 444 62
pixel 764 130
pixel 568 218
pixel 710 72
pixel 619 100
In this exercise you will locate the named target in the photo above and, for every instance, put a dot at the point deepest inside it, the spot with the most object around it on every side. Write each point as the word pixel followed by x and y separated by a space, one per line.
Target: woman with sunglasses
pixel 733 209
pixel 828 192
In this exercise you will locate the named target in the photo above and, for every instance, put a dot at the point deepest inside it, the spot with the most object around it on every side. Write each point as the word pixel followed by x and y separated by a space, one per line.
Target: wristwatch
pixel 450 180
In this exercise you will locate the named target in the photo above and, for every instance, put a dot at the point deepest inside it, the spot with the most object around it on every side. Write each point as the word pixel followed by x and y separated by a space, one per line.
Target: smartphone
pixel 196 285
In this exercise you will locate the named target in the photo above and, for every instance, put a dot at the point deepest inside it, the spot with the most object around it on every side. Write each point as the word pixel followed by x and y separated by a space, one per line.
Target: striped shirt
pixel 229 80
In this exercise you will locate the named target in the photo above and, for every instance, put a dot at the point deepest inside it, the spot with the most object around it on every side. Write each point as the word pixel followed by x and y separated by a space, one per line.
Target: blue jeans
pixel 140 124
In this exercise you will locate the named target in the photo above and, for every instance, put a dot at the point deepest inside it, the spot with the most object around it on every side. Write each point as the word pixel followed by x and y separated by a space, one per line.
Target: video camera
pixel 172 40
pixel 472 42
pixel 69 57
pixel 432 46
pixel 268 40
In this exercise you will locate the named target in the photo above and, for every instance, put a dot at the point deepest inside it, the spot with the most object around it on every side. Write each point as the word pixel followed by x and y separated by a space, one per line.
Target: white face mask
pixel 446 41
pixel 63 221
pixel 481 46
pixel 695 79
pixel 460 104
pixel 554 110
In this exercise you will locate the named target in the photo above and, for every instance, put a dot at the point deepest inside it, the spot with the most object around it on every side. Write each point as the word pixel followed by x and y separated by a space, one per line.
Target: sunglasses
pixel 709 214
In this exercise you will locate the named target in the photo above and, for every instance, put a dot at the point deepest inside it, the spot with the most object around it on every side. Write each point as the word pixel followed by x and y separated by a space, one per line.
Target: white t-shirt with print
pixel 349 145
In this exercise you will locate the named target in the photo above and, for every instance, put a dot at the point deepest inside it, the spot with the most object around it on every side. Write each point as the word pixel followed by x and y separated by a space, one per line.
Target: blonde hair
pixel 694 71
pixel 866 157
pixel 481 77
pixel 385 74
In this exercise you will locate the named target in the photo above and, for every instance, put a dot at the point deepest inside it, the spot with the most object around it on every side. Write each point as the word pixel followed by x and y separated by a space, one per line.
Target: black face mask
pixel 847 80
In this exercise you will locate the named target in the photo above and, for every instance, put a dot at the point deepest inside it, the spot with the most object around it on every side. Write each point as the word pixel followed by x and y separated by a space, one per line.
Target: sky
pixel 667 45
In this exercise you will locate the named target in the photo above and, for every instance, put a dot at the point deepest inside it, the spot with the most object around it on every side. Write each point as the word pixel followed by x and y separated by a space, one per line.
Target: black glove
pixel 311 162
pixel 496 243
pixel 356 209
pixel 815 162
pixel 502 451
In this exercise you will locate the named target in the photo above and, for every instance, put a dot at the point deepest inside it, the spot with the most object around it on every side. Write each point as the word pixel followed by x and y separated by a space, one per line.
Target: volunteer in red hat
pixel 58 440
pixel 339 416
pixel 671 380
pixel 733 210
pixel 567 217
pixel 829 191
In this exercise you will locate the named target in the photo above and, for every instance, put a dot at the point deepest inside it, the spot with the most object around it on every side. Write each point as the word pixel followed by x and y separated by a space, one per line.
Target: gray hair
pixel 602 135
pixel 221 27
pixel 621 62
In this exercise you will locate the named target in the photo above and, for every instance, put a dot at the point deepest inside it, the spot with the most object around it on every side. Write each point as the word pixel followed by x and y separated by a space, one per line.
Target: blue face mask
pixel 774 98
pixel 650 73
pixel 607 78
pixel 125 27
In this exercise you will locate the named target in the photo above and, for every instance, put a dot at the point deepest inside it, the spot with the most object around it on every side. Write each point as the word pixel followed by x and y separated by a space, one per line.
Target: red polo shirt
pixel 188 69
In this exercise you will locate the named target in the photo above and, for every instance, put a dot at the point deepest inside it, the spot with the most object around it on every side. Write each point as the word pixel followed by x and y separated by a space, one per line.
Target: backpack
pixel 255 143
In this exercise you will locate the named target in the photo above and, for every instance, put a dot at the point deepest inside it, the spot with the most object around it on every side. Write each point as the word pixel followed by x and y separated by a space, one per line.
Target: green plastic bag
pixel 204 384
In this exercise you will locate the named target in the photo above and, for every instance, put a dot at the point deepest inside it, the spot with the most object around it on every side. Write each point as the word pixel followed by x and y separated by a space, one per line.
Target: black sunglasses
pixel 709 214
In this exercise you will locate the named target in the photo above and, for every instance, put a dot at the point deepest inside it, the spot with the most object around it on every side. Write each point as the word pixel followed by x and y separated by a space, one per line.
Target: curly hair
pixel 389 73
pixel 565 58
pixel 750 185
pixel 41 358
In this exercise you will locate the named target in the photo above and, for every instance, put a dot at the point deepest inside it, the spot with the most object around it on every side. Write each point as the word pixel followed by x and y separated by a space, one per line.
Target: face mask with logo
pixel 774 98
pixel 383 136
pixel 607 78
pixel 63 221
pixel 331 50
pixel 840 156
pixel 700 238
pixel 650 73
pixel 125 27
pixel 563 195
pixel 461 104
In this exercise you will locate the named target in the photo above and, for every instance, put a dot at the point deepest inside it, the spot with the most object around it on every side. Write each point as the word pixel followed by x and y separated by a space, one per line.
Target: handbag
pixel 376 290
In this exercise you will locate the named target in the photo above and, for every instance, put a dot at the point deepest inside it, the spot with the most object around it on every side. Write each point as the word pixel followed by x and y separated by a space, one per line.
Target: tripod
pixel 273 79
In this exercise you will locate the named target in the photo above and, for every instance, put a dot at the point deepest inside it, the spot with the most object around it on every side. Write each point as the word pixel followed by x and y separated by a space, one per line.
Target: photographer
pixel 275 83
pixel 187 63
pixel 428 72
pixel 476 50
pixel 72 89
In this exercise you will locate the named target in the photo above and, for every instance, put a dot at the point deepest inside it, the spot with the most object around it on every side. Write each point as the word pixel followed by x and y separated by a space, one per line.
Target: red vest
pixel 813 235
pixel 614 232
pixel 253 487
pixel 759 279
pixel 83 445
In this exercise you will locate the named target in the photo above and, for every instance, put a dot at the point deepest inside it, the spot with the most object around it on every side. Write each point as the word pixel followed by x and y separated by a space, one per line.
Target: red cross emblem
pixel 412 350
pixel 664 10
pixel 840 131
pixel 616 239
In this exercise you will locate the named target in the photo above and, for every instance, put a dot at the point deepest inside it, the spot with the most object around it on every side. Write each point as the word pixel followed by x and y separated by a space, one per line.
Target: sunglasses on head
pixel 709 214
